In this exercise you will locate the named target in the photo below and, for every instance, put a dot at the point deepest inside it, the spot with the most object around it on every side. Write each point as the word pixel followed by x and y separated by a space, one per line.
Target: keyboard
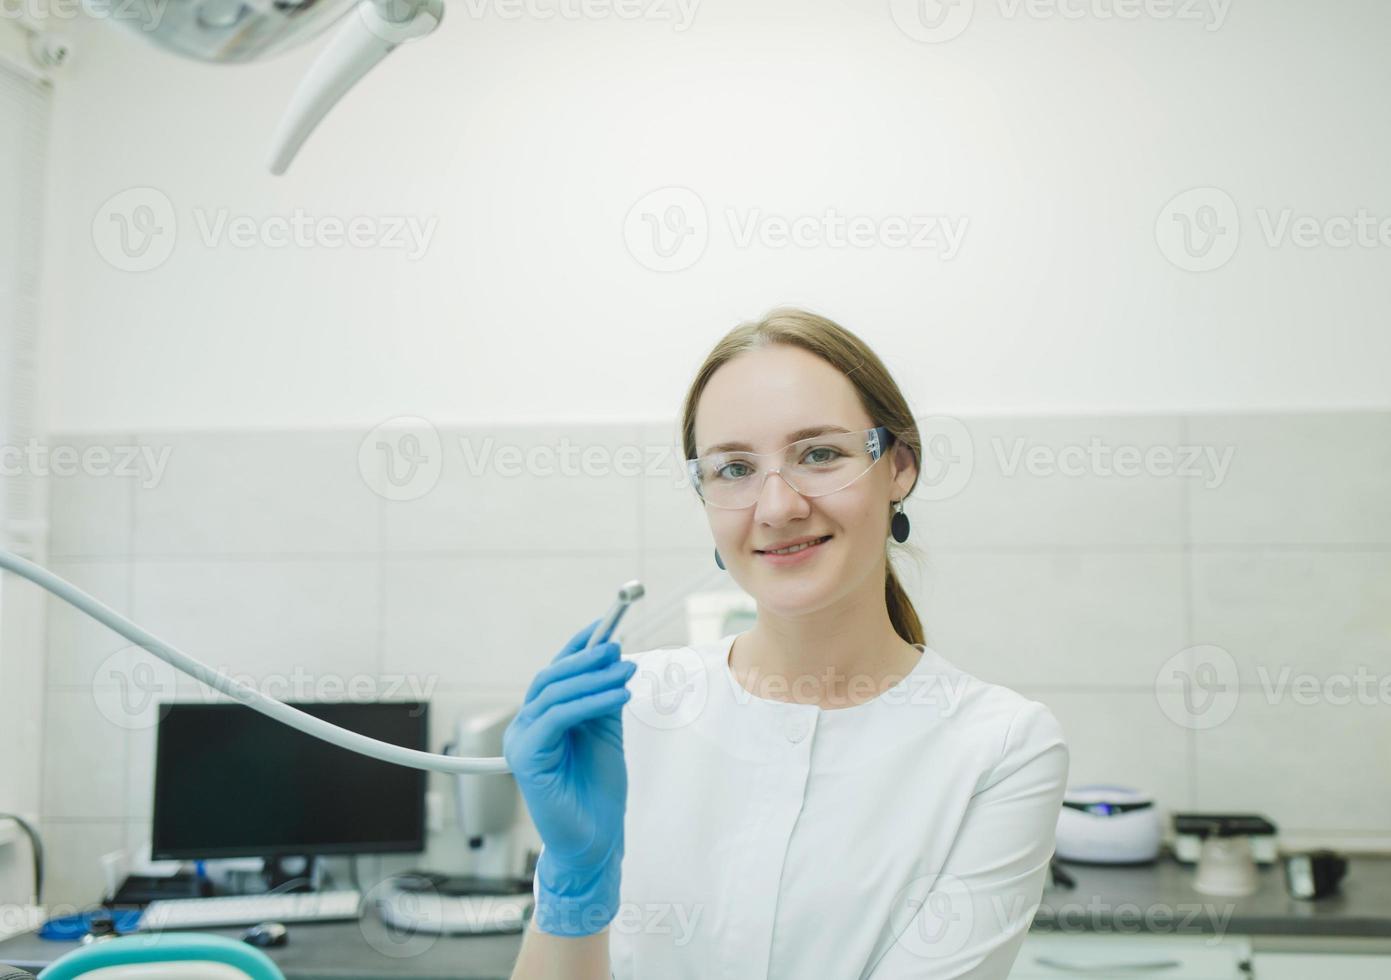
pixel 248 910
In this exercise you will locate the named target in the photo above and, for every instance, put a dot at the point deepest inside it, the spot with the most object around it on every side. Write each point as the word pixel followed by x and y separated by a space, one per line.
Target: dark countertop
pixel 1159 899
pixel 1156 899
pixel 363 950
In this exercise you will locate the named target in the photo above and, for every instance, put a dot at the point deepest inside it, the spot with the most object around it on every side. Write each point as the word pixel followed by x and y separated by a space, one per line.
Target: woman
pixel 821 796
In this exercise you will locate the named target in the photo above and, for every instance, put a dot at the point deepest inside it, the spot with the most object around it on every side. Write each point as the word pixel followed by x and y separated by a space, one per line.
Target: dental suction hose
pixel 252 698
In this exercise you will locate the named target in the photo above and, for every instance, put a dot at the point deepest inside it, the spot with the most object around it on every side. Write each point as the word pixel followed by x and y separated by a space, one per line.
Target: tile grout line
pixel 132 529
pixel 1190 735
pixel 1180 548
pixel 381 584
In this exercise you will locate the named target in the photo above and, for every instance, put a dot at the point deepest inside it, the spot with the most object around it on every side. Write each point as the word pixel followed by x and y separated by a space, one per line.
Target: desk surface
pixel 1160 897
pixel 363 950
pixel 1157 898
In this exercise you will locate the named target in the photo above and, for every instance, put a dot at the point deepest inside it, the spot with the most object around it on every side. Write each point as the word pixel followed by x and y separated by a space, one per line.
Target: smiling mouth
pixel 796 548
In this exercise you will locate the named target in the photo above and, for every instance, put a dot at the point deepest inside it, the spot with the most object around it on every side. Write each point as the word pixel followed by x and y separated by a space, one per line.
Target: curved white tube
pixel 367 36
pixel 280 711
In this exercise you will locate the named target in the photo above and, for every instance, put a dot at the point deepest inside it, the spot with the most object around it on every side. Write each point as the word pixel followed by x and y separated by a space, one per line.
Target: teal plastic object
pixel 164 947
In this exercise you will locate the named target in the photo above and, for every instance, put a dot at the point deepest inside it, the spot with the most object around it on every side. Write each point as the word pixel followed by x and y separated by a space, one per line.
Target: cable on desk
pixel 36 845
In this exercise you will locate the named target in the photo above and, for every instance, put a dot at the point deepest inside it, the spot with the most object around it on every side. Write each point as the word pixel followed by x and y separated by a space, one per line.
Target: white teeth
pixel 795 548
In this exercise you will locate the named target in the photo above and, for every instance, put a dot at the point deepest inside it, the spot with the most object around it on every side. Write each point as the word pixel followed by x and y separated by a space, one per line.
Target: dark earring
pixel 717 558
pixel 899 524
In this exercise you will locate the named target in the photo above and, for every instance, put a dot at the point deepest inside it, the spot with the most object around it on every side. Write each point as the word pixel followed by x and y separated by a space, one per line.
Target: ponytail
pixel 901 612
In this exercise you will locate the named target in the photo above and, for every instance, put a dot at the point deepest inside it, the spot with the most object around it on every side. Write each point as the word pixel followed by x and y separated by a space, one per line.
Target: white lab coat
pixel 904 838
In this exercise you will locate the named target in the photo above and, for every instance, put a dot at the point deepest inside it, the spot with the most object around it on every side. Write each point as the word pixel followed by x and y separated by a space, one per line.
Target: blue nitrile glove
pixel 565 748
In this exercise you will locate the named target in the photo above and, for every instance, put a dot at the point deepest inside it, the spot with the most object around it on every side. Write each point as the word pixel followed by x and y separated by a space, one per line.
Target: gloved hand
pixel 565 748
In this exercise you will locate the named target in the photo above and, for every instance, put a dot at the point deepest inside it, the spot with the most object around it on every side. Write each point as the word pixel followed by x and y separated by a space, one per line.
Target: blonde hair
pixel 877 391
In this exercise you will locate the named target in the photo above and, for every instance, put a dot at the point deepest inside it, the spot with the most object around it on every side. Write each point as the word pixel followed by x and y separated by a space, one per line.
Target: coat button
pixel 795 729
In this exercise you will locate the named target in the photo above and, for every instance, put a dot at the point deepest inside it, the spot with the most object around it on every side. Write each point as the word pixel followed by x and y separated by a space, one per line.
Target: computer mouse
pixel 265 934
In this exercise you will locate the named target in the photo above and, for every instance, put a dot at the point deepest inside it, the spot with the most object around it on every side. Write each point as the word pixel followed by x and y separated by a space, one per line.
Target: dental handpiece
pixel 252 698
pixel 630 593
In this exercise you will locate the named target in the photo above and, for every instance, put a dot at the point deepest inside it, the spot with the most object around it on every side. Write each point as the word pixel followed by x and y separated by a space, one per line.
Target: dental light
pixel 245 30
pixel 252 698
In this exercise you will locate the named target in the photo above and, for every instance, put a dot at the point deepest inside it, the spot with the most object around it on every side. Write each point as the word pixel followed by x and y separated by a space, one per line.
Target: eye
pixel 721 473
pixel 834 454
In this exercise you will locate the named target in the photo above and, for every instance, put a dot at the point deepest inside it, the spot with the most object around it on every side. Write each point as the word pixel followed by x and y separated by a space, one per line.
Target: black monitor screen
pixel 231 782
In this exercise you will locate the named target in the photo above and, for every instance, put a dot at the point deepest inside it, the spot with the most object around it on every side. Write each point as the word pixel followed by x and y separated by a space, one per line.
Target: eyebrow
pixel 800 434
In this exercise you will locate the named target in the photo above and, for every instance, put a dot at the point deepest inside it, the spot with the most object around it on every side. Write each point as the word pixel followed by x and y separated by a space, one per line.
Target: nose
pixel 778 502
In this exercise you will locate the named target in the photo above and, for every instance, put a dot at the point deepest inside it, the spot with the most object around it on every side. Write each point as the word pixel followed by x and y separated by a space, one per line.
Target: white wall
pixel 22 500
pixel 1107 596
pixel 1059 140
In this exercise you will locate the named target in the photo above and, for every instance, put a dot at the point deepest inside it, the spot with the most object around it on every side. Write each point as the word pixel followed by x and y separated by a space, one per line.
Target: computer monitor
pixel 231 782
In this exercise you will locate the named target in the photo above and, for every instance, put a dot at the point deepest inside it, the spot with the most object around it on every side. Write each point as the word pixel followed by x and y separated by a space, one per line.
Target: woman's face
pixel 763 397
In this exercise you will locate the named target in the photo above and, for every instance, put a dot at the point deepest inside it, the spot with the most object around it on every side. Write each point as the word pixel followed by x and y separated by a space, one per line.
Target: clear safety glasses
pixel 813 467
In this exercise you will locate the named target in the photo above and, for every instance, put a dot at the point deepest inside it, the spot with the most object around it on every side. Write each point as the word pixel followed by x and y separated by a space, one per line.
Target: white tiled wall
pixel 264 551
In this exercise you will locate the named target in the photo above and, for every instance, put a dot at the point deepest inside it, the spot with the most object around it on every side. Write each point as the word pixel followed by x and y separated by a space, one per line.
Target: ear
pixel 905 469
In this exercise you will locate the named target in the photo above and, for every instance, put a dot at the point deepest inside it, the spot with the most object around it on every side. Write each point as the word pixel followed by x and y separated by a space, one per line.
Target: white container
pixel 1226 868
